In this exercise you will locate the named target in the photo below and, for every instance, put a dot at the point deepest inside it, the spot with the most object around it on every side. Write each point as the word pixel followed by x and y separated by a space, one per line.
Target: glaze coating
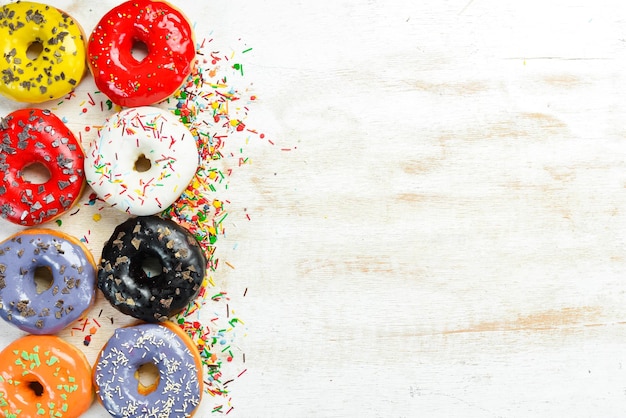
pixel 145 133
pixel 179 388
pixel 125 284
pixel 29 136
pixel 61 370
pixel 72 290
pixel 166 34
pixel 60 65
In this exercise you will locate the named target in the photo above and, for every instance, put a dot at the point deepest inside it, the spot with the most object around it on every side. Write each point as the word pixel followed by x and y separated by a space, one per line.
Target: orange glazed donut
pixel 43 375
pixel 168 37
pixel 34 136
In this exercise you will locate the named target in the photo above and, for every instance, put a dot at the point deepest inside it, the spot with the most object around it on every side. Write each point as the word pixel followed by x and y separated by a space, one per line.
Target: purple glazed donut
pixel 177 391
pixel 70 294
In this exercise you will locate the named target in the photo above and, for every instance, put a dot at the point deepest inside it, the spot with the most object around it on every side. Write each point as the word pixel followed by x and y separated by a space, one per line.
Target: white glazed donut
pixel 166 149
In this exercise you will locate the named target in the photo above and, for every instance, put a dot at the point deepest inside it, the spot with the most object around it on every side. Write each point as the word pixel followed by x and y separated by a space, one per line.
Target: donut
pixel 43 375
pixel 173 251
pixel 156 26
pixel 30 137
pixel 72 283
pixel 177 391
pixel 44 52
pixel 146 135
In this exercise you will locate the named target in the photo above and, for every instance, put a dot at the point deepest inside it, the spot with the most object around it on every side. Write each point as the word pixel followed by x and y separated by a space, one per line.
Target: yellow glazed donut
pixel 53 41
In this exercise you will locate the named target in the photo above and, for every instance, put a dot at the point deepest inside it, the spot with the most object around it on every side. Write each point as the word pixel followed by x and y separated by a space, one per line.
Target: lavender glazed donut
pixel 70 294
pixel 177 391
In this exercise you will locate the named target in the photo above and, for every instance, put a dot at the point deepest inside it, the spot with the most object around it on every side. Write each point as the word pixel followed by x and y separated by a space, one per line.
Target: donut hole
pixel 43 279
pixel 139 50
pixel 142 164
pixel 36 387
pixel 151 266
pixel 34 50
pixel 36 173
pixel 147 376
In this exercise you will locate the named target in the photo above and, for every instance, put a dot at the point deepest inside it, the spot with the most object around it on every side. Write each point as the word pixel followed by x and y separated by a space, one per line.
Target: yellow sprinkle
pixel 97 217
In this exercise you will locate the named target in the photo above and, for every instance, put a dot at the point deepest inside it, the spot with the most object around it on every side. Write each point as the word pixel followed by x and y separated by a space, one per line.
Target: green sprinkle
pixel 35 358
pixel 222 219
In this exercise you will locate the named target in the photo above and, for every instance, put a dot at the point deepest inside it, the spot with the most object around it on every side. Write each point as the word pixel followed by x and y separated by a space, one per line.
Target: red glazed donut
pixel 171 52
pixel 29 136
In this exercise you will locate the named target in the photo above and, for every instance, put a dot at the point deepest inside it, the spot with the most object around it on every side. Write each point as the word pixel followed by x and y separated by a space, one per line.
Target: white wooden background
pixel 446 237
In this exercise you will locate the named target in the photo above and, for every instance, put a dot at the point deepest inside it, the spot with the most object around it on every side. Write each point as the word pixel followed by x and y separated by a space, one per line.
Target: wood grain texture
pixel 446 236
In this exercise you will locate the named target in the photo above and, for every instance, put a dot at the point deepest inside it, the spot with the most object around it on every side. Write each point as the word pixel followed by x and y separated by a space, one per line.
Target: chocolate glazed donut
pixel 124 281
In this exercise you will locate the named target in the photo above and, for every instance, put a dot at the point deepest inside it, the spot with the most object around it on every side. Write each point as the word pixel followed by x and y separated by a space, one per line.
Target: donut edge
pixel 185 338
